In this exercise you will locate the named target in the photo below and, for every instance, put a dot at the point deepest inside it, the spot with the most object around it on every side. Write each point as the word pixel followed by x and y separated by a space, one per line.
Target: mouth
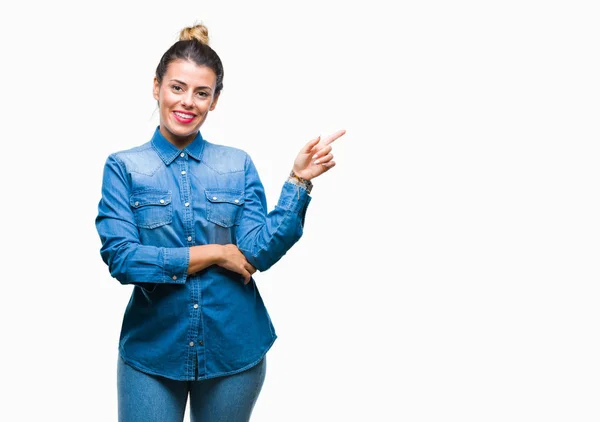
pixel 183 117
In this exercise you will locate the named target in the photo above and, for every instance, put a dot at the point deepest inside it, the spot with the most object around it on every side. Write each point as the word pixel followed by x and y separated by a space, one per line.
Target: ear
pixel 214 103
pixel 156 89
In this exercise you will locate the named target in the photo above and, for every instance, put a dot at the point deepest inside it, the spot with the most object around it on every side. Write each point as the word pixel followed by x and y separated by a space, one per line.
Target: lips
pixel 183 117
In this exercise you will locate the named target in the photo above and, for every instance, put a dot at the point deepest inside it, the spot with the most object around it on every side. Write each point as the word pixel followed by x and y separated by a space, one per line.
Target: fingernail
pixel 315 156
pixel 316 161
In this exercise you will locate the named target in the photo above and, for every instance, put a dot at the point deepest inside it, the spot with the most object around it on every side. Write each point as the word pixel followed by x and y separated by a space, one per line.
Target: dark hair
pixel 193 46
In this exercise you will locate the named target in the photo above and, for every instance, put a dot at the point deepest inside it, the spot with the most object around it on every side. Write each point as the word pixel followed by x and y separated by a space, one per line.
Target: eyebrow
pixel 183 83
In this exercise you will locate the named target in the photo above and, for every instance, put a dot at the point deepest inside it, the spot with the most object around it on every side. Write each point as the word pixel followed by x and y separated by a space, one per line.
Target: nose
pixel 187 101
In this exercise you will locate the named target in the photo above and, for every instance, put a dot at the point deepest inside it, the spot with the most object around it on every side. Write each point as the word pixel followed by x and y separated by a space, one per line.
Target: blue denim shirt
pixel 158 201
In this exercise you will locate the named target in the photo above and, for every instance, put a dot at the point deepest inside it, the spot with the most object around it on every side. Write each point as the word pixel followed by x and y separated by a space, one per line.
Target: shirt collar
pixel 168 152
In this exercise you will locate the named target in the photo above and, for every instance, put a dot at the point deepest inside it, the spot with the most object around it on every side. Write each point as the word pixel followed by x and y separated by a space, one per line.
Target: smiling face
pixel 185 96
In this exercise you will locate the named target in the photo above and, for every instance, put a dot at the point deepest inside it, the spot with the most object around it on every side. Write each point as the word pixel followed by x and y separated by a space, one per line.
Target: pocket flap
pixel 230 196
pixel 150 197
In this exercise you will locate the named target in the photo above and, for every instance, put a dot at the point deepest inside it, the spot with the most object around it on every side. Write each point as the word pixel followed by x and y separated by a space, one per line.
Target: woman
pixel 185 221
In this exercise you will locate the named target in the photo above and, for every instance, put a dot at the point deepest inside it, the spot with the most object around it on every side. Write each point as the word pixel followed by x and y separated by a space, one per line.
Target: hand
pixel 316 158
pixel 232 259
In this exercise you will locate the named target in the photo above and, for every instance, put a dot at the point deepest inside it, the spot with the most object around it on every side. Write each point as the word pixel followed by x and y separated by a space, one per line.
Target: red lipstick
pixel 181 119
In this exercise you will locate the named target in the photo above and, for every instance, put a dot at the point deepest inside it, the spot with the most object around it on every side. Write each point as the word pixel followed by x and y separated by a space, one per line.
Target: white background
pixel 449 267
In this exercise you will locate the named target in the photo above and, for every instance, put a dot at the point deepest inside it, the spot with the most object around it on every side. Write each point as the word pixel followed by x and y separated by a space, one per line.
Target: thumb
pixel 310 145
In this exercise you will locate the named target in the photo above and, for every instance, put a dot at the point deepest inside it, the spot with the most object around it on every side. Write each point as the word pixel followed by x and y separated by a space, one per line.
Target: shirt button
pixel 191 344
pixel 136 203
pixel 162 201
pixel 236 201
pixel 182 155
pixel 214 198
pixel 183 172
pixel 189 238
pixel 200 343
pixel 187 204
pixel 195 306
pixel 174 277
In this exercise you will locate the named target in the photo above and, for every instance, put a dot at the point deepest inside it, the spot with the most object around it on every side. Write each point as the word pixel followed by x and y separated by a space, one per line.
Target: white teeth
pixel 184 116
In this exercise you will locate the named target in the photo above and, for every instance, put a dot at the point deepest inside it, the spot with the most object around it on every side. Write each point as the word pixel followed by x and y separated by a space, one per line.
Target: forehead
pixel 190 73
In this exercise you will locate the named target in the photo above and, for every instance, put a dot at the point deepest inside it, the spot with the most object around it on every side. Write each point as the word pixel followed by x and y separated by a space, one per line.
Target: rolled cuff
pixel 176 263
pixel 294 198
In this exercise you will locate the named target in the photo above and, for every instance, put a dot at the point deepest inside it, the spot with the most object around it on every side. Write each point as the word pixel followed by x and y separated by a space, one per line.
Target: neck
pixel 179 141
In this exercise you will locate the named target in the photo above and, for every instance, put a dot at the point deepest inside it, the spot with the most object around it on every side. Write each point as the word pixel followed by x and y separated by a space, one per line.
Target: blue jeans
pixel 151 398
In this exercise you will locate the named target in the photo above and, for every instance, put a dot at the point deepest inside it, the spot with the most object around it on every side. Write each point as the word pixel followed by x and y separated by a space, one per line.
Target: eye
pixel 202 94
pixel 176 88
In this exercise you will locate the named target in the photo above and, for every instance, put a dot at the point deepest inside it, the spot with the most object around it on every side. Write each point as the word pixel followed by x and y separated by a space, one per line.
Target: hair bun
pixel 196 32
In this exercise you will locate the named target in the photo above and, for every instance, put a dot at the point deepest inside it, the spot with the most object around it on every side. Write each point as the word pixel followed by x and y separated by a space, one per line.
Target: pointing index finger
pixel 334 136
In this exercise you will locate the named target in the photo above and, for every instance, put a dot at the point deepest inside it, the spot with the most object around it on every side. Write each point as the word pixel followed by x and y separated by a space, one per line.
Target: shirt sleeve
pixel 264 237
pixel 128 260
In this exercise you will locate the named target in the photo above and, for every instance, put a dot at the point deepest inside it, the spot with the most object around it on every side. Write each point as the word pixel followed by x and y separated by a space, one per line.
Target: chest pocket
pixel 152 208
pixel 223 206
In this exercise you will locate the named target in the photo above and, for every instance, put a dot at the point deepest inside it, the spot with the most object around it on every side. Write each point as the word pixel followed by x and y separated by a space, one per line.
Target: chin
pixel 182 132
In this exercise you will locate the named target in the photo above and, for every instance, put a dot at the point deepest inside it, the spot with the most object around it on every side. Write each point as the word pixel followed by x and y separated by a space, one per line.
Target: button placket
pixel 195 330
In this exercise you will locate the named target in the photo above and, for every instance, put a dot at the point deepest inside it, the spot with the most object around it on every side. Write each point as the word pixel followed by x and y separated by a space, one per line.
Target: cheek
pixel 165 101
pixel 203 107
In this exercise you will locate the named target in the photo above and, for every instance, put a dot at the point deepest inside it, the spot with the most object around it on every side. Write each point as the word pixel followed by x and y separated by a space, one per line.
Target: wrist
pixel 203 256
pixel 212 253
pixel 217 254
pixel 300 181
